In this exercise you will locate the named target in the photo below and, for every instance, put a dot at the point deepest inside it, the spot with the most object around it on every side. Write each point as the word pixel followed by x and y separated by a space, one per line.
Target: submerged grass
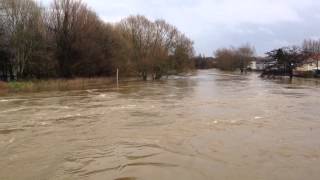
pixel 54 85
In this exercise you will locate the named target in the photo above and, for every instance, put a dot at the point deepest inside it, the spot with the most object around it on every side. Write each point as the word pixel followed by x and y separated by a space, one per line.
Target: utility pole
pixel 317 57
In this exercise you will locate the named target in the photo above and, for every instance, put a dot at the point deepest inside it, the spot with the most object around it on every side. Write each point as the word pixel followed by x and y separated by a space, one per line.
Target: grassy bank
pixel 54 85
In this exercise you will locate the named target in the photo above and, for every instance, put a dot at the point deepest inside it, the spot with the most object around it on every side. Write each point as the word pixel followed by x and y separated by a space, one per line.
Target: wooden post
pixel 117 77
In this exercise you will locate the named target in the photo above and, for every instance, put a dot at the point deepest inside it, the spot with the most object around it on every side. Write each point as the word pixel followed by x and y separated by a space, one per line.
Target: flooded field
pixel 210 125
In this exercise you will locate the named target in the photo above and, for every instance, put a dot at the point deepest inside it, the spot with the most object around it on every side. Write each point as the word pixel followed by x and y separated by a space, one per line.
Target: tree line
pixel 204 62
pixel 68 39
pixel 280 61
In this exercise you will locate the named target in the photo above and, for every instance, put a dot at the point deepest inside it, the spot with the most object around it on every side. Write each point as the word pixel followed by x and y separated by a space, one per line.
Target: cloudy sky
pixel 211 24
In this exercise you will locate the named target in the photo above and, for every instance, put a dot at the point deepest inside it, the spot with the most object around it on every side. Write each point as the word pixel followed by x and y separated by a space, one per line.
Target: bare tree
pixel 157 46
pixel 138 29
pixel 313 48
pixel 64 25
pixel 245 55
pixel 21 20
pixel 235 58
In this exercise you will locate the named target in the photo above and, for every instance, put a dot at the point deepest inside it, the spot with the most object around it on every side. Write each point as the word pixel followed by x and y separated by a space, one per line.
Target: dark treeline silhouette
pixel 68 40
pixel 203 62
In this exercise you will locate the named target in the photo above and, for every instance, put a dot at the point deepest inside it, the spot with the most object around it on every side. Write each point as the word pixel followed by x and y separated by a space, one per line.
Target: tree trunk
pixel 291 72
pixel 144 76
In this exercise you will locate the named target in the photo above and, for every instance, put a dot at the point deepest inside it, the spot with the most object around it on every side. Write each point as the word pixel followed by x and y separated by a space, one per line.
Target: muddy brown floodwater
pixel 210 125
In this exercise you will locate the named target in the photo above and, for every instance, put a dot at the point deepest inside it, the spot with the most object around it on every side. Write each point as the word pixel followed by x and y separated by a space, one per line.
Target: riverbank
pixel 68 84
pixel 55 85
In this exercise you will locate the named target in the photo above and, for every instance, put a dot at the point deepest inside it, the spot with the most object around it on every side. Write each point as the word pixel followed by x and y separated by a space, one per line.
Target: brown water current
pixel 210 125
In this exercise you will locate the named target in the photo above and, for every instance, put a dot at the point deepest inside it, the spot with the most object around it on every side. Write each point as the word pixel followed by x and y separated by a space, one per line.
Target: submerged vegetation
pixel 69 40
pixel 55 85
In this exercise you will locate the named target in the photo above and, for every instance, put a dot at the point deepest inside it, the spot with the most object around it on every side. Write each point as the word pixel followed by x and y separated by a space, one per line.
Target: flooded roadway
pixel 211 125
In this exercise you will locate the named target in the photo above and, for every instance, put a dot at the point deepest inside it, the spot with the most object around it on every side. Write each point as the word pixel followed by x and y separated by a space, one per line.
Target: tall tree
pixel 235 58
pixel 287 58
pixel 245 54
pixel 63 23
pixel 313 48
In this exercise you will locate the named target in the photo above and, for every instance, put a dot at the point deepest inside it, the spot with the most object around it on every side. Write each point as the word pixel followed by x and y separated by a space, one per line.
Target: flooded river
pixel 210 125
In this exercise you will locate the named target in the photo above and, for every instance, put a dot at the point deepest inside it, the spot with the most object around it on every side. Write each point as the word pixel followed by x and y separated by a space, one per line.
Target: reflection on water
pixel 211 125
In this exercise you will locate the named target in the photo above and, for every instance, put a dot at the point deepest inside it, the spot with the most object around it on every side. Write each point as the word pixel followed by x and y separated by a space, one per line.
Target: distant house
pixel 309 67
pixel 260 64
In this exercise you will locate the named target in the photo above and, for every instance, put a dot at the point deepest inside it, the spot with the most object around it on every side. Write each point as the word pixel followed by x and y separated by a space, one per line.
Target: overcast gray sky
pixel 211 24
